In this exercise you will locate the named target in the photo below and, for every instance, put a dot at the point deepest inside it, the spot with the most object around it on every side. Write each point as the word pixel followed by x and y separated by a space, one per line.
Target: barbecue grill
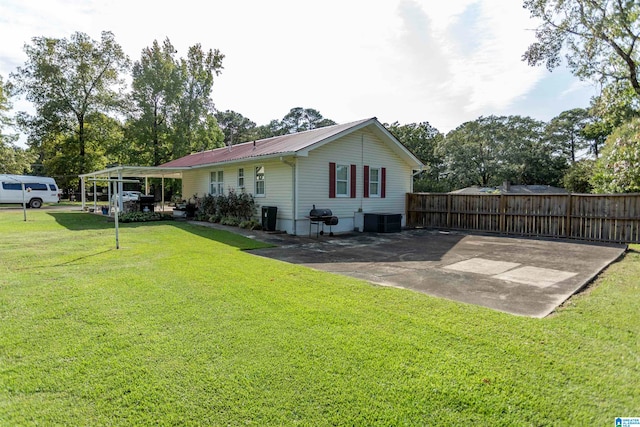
pixel 320 218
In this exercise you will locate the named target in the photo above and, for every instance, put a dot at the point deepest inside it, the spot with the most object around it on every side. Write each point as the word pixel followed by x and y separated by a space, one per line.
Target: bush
pixel 618 170
pixel 250 225
pixel 233 205
pixel 143 217
pixel 230 220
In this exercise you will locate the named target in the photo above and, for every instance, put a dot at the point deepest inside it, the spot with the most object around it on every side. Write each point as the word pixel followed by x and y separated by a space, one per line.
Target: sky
pixel 443 62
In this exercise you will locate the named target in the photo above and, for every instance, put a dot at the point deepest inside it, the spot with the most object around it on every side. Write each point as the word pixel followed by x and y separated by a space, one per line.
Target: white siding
pixel 278 185
pixel 359 148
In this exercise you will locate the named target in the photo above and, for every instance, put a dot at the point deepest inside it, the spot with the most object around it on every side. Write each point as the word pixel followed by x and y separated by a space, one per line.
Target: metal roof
pixel 291 144
pixel 285 145
pixel 136 171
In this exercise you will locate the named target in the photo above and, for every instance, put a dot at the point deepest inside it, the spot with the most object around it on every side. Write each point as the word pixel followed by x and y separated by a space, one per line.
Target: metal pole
pixel 83 191
pixel 95 198
pixel 24 203
pixel 117 228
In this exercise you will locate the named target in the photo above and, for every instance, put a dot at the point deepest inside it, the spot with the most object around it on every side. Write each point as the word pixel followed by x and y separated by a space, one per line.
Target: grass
pixel 182 327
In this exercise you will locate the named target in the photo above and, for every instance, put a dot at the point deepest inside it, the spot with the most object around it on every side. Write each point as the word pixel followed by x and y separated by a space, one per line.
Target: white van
pixel 38 190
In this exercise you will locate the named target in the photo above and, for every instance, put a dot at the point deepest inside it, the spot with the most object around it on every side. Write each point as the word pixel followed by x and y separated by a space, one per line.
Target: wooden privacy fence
pixel 597 217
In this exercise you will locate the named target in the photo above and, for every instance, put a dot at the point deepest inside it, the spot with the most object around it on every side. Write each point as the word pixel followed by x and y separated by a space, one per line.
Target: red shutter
pixel 353 181
pixel 332 180
pixel 366 181
pixel 383 183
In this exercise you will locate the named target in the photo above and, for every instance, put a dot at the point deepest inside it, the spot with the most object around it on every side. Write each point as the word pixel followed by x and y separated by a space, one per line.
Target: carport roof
pixel 136 171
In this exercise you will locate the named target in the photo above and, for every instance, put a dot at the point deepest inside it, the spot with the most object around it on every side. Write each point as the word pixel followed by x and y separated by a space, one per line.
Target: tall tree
pixel 472 152
pixel 67 80
pixel 618 169
pixel 156 90
pixel 298 119
pixel 600 38
pixel 527 156
pixel 195 108
pixel 13 159
pixel 236 127
pixel 423 139
pixel 566 132
pixel 492 149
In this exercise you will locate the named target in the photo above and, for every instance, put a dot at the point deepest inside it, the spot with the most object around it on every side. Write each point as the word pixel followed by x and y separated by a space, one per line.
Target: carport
pixel 114 176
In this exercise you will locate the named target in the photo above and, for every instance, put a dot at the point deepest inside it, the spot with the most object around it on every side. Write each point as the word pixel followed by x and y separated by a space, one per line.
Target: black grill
pixel 321 217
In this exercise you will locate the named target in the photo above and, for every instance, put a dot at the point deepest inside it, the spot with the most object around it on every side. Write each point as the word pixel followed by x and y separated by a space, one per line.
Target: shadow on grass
pixel 80 221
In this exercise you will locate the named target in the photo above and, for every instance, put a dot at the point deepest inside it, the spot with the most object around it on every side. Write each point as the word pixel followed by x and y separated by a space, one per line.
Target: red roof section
pixel 263 147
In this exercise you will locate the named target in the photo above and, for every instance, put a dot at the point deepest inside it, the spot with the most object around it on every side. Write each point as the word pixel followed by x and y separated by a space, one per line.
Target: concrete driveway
pixel 527 277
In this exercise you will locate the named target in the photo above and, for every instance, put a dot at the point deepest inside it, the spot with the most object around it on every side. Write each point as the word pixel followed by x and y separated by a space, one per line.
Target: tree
pixel 493 149
pixel 527 156
pixel 236 127
pixel 195 109
pixel 472 152
pixel 600 38
pixel 423 139
pixel 566 132
pixel 13 159
pixel 595 133
pixel 173 109
pixel 67 80
pixel 577 179
pixel 301 119
pixel 618 169
pixel 298 119
pixel 156 90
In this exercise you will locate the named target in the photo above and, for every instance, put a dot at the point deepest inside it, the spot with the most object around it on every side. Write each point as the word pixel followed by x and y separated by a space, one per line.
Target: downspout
pixel 294 193
pixel 361 165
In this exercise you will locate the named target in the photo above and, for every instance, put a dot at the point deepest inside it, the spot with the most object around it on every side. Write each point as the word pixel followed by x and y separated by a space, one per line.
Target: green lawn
pixel 182 327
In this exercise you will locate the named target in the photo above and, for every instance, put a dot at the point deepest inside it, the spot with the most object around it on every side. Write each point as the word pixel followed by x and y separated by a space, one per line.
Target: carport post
pixel 162 191
pixel 95 197
pixel 120 203
pixel 82 194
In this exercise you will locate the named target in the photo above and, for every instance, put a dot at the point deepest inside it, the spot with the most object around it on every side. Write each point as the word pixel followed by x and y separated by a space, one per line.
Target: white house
pixel 349 168
pixel 353 169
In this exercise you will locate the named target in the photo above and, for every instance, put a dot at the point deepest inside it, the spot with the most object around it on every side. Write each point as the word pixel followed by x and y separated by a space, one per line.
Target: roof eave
pixel 244 160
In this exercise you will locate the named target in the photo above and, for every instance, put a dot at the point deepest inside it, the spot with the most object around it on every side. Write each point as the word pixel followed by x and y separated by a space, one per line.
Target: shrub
pixel 143 217
pixel 251 224
pixel 618 170
pixel 233 205
pixel 230 220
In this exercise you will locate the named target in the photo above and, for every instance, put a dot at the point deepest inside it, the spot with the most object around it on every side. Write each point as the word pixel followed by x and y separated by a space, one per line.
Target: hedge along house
pixel 350 168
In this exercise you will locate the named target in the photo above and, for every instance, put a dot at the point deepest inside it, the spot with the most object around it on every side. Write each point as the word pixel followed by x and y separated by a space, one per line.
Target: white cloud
pixel 404 60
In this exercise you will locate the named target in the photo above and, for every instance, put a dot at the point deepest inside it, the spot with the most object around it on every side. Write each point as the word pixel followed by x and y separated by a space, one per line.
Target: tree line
pixel 87 117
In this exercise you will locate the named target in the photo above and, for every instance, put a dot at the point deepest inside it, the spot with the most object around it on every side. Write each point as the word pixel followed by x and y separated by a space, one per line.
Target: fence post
pixel 449 211
pixel 568 221
pixel 503 208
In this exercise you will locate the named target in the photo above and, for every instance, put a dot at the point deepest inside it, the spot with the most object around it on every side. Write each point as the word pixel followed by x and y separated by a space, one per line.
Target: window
pixel 27 185
pixel 241 178
pixel 374 182
pixel 12 186
pixel 342 181
pixel 217 183
pixel 260 186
